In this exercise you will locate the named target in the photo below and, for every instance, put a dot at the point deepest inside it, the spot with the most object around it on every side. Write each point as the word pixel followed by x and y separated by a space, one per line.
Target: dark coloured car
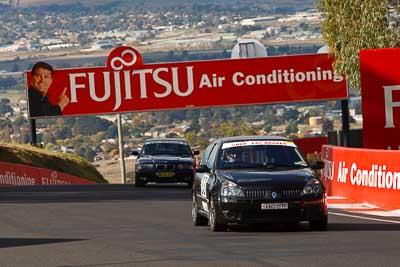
pixel 257 179
pixel 165 160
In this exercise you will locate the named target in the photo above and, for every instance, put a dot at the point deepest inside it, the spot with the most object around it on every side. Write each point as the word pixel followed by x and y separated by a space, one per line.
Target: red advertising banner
pixel 364 175
pixel 20 175
pixel 380 94
pixel 125 84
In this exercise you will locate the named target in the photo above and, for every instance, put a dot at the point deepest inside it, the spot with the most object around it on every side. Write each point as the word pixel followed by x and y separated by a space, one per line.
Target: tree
pixel 194 125
pixel 327 125
pixel 170 55
pixel 83 39
pixel 15 67
pixel 135 120
pixel 49 146
pixel 351 25
pixel 191 138
pixel 19 120
pixel 304 26
pixel 49 138
pixel 8 82
pixel 291 114
pixel 245 130
pixel 4 106
pixel 98 137
pixel 227 129
pixel 268 128
pixel 291 127
pixel 112 131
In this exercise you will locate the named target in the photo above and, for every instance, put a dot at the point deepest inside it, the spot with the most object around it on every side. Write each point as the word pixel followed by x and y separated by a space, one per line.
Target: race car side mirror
pixel 202 168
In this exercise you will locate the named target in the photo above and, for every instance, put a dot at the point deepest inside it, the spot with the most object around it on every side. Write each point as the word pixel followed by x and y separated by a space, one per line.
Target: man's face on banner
pixel 41 80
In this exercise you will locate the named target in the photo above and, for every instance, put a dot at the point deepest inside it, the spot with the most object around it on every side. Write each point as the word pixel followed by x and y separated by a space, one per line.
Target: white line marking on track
pixel 336 197
pixel 364 218
pixel 363 206
pixel 380 213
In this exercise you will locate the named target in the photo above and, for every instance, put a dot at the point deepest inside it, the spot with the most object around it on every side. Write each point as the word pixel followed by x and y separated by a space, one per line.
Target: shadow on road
pixel 268 228
pixel 18 242
pixel 332 227
pixel 93 193
pixel 381 227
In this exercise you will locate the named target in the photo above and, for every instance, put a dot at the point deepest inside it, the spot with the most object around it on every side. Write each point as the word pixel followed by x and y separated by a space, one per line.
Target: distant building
pixel 52 43
pixel 187 43
pixel 310 16
pixel 106 44
pixel 109 140
pixel 67 149
pixel 314 121
pixel 257 21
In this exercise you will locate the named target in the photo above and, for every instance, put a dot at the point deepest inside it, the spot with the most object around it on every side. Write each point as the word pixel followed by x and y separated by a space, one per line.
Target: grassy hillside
pixel 41 158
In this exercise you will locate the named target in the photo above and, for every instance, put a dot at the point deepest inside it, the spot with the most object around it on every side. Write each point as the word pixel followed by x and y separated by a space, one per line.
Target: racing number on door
pixel 203 185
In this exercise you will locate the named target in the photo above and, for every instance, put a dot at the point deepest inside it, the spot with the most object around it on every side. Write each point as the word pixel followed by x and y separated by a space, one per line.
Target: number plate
pixel 165 174
pixel 274 206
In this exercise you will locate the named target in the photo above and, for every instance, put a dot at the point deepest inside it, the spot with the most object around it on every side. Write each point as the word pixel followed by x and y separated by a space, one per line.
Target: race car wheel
pixel 216 222
pixel 139 183
pixel 197 219
pixel 319 225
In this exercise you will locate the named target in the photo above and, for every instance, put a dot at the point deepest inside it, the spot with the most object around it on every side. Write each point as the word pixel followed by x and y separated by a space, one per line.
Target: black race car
pixel 257 179
pixel 165 160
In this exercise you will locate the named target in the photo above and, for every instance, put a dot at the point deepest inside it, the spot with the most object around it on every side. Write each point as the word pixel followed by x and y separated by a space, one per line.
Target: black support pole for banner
pixel 32 123
pixel 345 138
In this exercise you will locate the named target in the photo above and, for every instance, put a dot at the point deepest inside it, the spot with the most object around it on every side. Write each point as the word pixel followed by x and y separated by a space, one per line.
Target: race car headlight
pixel 230 189
pixel 313 186
pixel 144 166
pixel 185 166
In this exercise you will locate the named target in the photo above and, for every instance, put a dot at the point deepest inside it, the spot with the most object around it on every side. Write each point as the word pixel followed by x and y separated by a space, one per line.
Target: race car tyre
pixel 216 222
pixel 139 183
pixel 319 225
pixel 292 226
pixel 197 219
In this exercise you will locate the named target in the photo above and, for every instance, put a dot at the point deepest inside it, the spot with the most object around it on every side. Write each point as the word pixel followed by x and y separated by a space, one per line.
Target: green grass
pixel 42 158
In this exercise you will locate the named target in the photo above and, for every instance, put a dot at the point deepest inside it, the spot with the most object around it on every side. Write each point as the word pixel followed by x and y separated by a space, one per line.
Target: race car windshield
pixel 260 156
pixel 172 149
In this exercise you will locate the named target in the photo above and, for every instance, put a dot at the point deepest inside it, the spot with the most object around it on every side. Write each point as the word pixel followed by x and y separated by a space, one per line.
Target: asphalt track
pixel 120 225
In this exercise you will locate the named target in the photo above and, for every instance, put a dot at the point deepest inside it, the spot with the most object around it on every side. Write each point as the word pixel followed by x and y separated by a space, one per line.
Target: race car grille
pixel 255 193
pixel 292 193
pixel 265 193
pixel 164 166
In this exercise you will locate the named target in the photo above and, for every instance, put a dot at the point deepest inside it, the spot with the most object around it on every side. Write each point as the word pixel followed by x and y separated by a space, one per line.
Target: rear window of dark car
pixel 168 148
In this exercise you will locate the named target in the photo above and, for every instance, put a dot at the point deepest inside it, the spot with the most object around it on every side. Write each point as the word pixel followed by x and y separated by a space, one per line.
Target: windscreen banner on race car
pixel 125 84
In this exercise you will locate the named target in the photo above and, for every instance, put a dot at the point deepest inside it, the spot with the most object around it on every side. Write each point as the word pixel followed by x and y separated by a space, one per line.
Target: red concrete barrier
pixel 20 175
pixel 364 175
